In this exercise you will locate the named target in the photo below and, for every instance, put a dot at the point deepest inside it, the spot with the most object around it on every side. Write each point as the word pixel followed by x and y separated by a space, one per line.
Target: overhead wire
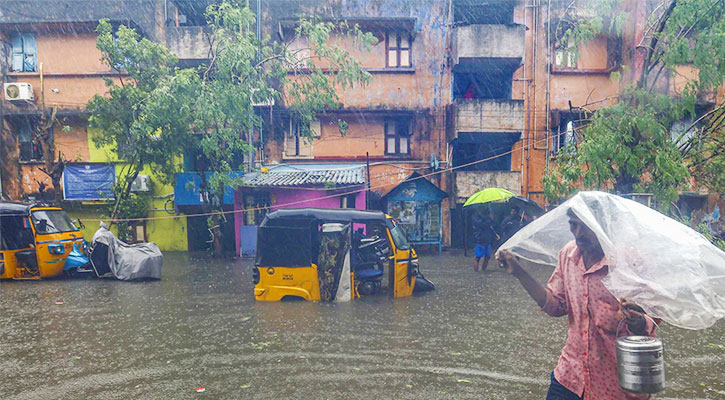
pixel 359 190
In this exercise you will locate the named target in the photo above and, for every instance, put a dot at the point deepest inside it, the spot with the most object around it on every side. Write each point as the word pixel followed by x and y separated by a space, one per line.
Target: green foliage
pixel 130 206
pixel 583 20
pixel 625 147
pixel 705 231
pixel 137 123
pixel 631 146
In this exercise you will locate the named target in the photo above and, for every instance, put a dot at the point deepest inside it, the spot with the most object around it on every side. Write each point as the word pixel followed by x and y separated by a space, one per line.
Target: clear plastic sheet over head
pixel 670 270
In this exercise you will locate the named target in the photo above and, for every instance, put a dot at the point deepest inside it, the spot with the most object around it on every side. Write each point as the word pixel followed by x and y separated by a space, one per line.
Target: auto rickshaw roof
pixel 15 208
pixel 8 208
pixel 327 215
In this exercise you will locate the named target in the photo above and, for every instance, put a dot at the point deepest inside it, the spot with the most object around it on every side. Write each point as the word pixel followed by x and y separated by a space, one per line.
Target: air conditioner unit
pixel 142 183
pixel 18 91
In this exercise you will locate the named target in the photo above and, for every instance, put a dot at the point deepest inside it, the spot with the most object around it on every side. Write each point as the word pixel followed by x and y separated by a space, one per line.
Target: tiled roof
pixel 307 174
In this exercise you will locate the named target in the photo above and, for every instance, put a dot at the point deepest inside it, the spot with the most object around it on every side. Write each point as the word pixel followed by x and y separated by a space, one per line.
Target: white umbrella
pixel 670 270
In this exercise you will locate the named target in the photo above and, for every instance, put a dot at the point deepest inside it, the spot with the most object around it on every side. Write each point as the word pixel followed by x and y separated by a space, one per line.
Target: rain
pixel 333 199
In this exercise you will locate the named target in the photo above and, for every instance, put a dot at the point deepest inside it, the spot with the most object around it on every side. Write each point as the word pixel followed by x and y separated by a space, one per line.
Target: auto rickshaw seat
pixel 368 273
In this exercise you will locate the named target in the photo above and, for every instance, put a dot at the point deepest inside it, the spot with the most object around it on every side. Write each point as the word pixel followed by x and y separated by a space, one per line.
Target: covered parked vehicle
pixel 35 240
pixel 333 255
pixel 111 257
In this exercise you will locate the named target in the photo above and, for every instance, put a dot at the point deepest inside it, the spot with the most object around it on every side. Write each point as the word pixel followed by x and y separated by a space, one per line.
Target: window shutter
pixel 305 147
pixel 316 128
pixel 17 53
pixel 29 52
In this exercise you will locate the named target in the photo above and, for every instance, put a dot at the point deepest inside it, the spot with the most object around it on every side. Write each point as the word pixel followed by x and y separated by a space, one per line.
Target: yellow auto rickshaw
pixel 35 240
pixel 333 255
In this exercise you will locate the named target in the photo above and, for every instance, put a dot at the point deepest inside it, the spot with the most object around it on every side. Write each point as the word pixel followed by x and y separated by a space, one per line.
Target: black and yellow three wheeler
pixel 333 255
pixel 35 240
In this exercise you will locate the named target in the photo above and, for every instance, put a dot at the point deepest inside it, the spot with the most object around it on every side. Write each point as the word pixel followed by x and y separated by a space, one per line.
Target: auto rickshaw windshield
pixel 401 242
pixel 52 221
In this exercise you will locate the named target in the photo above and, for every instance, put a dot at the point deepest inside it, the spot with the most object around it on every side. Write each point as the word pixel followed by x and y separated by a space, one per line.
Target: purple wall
pixel 303 197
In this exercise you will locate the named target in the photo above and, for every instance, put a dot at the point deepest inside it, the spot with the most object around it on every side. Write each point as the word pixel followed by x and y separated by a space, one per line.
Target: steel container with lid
pixel 640 364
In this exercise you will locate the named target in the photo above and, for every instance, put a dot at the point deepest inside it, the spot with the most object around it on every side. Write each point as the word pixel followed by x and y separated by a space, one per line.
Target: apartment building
pixel 465 94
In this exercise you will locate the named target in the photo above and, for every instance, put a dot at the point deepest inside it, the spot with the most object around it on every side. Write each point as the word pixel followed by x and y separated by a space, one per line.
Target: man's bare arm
pixel 533 288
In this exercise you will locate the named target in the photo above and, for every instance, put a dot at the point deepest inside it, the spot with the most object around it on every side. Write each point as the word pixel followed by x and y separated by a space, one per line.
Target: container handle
pixel 619 325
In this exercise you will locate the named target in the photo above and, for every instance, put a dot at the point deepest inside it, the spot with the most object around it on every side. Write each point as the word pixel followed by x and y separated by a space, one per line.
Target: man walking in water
pixel 484 236
pixel 587 367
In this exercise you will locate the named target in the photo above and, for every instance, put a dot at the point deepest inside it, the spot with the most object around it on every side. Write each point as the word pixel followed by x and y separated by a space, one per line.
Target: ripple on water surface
pixel 477 336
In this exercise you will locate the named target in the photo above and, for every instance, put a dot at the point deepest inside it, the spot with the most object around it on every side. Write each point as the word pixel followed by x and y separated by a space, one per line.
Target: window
pixel 28 142
pixel 397 137
pixel 566 137
pixel 24 53
pixel 398 50
pixel 347 201
pixel 295 143
pixel 565 57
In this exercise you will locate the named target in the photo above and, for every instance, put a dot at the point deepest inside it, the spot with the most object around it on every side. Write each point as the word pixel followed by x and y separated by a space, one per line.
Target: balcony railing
pixel 485 115
pixel 470 182
pixel 488 41
pixel 188 42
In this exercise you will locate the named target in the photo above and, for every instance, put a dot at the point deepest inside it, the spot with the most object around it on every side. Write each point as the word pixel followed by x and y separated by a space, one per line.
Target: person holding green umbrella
pixel 484 233
pixel 484 236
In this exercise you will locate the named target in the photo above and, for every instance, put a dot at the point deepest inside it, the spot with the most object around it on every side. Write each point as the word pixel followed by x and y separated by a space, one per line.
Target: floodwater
pixel 478 336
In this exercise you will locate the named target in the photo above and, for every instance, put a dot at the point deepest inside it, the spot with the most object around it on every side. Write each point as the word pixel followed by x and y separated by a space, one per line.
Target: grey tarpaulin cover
pixel 670 270
pixel 130 261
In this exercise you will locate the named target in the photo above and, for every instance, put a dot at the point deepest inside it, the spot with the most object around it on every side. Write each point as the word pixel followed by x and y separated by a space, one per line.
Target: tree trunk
pixel 218 232
pixel 53 168
pixel 124 194
pixel 215 229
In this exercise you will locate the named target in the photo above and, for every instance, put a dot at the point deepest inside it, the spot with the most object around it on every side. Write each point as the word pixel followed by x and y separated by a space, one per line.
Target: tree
pixel 650 141
pixel 136 127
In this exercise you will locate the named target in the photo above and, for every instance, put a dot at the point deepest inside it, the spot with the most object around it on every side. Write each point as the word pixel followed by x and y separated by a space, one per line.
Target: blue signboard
pixel 187 193
pixel 88 181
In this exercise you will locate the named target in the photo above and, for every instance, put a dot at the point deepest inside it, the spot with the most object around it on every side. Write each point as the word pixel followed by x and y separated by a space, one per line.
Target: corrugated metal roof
pixel 307 174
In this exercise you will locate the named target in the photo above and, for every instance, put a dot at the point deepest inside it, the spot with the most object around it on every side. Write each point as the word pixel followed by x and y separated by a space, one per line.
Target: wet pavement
pixel 477 336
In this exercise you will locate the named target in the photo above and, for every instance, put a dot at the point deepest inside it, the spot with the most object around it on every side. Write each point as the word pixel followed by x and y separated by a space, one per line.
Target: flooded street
pixel 476 336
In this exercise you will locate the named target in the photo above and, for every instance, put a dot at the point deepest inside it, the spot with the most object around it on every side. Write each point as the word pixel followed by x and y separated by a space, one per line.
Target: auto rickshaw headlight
pixel 56 249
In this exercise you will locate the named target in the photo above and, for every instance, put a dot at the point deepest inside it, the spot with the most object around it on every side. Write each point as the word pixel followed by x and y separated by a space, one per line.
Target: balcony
pixel 483 41
pixel 188 42
pixel 470 182
pixel 489 115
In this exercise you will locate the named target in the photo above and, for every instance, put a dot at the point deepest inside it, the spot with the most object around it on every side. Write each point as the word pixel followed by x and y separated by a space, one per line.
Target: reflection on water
pixel 477 336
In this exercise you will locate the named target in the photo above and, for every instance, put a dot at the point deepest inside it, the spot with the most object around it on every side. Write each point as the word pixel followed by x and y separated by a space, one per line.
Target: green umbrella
pixel 488 195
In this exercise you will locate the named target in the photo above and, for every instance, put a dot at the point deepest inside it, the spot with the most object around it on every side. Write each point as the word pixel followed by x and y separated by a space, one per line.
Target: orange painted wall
pixel 426 86
pixel 70 53
pixel 363 135
pixel 596 90
pixel 73 144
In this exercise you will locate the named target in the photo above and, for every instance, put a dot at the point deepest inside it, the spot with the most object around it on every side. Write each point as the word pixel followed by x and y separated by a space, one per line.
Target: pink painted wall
pixel 282 198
